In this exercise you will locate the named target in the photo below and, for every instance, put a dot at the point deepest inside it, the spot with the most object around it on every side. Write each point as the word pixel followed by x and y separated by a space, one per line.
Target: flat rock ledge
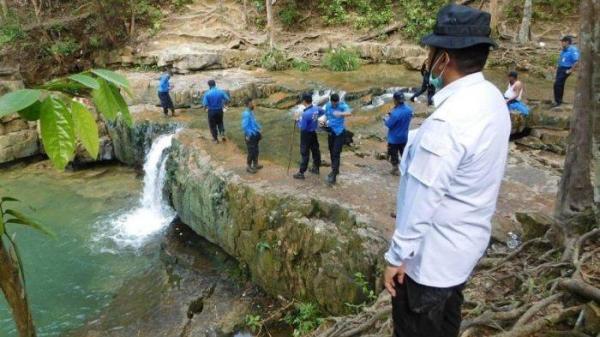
pixel 293 245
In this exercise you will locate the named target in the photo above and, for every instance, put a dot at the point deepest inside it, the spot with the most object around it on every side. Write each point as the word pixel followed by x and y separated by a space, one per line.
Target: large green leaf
pixel 21 219
pixel 18 100
pixel 86 80
pixel 32 112
pixel 58 134
pixel 115 78
pixel 105 101
pixel 86 128
pixel 123 108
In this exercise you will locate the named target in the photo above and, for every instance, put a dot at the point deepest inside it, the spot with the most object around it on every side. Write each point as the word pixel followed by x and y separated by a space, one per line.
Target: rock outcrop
pixel 18 139
pixel 304 247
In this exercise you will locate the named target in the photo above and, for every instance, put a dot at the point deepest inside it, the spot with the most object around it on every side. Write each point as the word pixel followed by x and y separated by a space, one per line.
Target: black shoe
pixel 299 176
pixel 258 167
pixel 331 179
pixel 314 170
pixel 555 105
pixel 251 170
pixel 216 141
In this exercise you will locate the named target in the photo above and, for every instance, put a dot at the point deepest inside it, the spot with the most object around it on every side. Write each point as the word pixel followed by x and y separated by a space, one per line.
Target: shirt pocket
pixel 427 163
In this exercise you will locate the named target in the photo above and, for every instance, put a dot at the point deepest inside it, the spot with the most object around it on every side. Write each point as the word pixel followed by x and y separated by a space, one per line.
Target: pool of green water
pixel 72 277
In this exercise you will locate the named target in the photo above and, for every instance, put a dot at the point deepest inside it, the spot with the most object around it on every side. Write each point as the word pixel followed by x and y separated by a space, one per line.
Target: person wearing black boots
pixel 309 143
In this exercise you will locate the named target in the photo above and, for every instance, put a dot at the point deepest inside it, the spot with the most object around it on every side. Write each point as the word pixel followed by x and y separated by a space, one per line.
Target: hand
pixel 391 273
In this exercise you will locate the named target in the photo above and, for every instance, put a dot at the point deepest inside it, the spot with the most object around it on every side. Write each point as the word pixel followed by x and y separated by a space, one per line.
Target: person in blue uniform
pixel 309 143
pixel 251 129
pixel 567 63
pixel 336 113
pixel 398 123
pixel 214 101
pixel 164 86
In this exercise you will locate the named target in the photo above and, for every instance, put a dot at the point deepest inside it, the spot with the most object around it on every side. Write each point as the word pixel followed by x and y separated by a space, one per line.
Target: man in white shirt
pixel 451 175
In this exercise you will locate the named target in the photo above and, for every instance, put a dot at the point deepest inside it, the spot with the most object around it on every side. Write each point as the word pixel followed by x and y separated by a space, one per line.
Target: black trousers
pixel 252 146
pixel 215 123
pixel 336 145
pixel 395 152
pixel 309 143
pixel 559 83
pixel 421 311
pixel 166 102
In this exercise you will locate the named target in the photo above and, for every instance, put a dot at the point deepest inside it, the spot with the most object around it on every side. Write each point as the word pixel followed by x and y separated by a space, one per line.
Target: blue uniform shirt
pixel 398 124
pixel 336 123
pixel 308 120
pixel 249 124
pixel 568 57
pixel 215 98
pixel 163 83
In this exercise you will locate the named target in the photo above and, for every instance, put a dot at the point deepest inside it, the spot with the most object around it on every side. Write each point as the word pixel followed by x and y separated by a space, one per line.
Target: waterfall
pixel 153 213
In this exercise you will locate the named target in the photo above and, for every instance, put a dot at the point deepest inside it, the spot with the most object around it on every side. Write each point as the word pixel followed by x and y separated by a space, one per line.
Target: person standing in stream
pixel 251 129
pixel 309 142
pixel 451 174
pixel 214 102
pixel 164 86
pixel 336 113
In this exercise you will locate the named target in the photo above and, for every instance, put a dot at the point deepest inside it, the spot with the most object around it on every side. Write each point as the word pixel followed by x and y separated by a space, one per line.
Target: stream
pixel 107 229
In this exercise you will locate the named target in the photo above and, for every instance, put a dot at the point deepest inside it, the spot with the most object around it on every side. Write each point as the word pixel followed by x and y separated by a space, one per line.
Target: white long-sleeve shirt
pixel 451 175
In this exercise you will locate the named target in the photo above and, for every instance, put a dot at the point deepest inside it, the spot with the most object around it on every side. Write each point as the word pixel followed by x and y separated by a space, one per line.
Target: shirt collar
pixel 308 107
pixel 455 86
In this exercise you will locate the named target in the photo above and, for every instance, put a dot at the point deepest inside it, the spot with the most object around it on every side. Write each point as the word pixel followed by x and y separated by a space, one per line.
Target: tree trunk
pixel 580 183
pixel 270 28
pixel 495 13
pixel 524 35
pixel 12 287
pixel 245 13
pixel 3 9
pixel 132 22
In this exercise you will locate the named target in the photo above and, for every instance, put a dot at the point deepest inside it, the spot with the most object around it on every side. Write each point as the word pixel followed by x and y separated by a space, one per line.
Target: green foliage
pixel 62 118
pixel 341 59
pixel 289 14
pixel 10 216
pixel 361 281
pixel 10 32
pixel 419 16
pixel 368 13
pixel 253 322
pixel 300 64
pixel 64 47
pixel 304 318
pixel 543 10
pixel 334 11
pixel 274 60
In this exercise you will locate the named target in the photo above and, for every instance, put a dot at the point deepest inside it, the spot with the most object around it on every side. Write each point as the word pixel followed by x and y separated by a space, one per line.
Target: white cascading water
pixel 153 214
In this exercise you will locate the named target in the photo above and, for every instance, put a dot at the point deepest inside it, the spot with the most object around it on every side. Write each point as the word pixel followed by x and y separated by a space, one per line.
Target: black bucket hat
pixel 459 27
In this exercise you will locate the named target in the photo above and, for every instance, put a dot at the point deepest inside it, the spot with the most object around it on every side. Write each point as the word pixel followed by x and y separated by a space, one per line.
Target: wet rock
pixel 316 246
pixel 518 123
pixel 555 140
pixel 280 100
pixel 557 118
pixel 17 145
pixel 531 142
pixel 534 225
pixel 105 153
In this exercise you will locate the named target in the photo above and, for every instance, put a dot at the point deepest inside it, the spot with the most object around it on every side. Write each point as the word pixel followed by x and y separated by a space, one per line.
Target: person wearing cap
pixel 214 102
pixel 309 142
pixel 451 171
pixel 567 63
pixel 336 113
pixel 164 86
pixel 251 129
pixel 514 95
pixel 425 86
pixel 398 122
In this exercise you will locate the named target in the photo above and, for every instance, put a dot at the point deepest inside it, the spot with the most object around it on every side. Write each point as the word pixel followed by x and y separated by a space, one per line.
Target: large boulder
pixel 18 144
pixel 294 245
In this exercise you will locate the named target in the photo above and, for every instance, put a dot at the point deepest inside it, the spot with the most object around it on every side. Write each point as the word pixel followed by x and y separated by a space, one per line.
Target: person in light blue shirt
pixel 251 129
pixel 398 123
pixel 214 101
pixel 309 142
pixel 336 113
pixel 164 86
pixel 567 63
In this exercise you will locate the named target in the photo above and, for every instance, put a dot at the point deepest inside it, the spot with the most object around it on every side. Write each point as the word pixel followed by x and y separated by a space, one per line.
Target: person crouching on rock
pixel 514 95
pixel 336 113
pixel 309 143
pixel 398 122
pixel 251 129
pixel 214 102
pixel 163 92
